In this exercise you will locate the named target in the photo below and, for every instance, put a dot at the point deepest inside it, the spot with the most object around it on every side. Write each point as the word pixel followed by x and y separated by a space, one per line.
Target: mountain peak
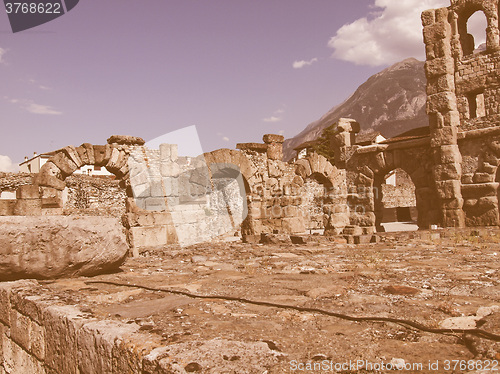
pixel 391 102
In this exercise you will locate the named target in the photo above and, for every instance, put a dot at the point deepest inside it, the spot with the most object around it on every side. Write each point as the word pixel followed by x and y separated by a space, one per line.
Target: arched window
pixel 473 32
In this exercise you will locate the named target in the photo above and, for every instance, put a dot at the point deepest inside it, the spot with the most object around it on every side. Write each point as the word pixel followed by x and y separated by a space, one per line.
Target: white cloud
pixel 391 33
pixel 2 53
pixel 272 119
pixel 41 109
pixel 32 107
pixel 6 164
pixel 300 64
pixel 225 138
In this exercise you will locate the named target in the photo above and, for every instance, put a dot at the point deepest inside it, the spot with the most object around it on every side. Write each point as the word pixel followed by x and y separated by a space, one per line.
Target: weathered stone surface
pixel 28 192
pixel 64 163
pixel 273 138
pixel 126 140
pixel 102 154
pixel 50 176
pixel 49 247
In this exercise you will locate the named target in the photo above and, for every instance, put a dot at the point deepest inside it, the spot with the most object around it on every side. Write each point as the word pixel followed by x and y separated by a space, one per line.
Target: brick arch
pixel 314 166
pixel 237 158
pixel 68 159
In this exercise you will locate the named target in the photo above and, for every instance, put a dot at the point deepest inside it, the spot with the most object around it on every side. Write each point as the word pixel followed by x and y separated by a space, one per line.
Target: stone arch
pixel 67 160
pixel 371 169
pixel 250 179
pixel 237 158
pixel 464 9
pixel 319 166
pixel 335 208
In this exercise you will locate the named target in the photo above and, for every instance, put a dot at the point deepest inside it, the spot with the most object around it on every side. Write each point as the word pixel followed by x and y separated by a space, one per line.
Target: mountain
pixel 391 102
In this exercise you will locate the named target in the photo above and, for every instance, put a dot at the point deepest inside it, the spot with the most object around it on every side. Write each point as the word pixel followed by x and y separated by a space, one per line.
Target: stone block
pixel 86 153
pixel 449 189
pixel 441 102
pixel 46 180
pixel 37 341
pixel 168 152
pixel 52 202
pixel 478 190
pixel 125 140
pixel 428 17
pixel 73 155
pixel 447 171
pixel 102 154
pixel 29 305
pixel 98 343
pixel 118 163
pixel 28 207
pixel 444 136
pixel 439 66
pixel 7 207
pixel 28 192
pixel 156 204
pixel 360 219
pixel 5 306
pixel 453 218
pixel 153 236
pixel 483 178
pixel 447 154
pixel 17 360
pixel 487 202
pixel 64 163
pixel 293 225
pixel 273 138
pixel 20 329
pixel 170 169
pixel 275 151
pixel 55 246
pixel 61 330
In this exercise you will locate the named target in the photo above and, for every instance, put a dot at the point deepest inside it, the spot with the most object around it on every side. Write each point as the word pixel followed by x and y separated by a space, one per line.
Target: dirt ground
pixel 451 281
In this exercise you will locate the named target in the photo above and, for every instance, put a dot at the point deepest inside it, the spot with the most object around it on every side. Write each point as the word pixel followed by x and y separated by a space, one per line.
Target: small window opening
pixel 476 105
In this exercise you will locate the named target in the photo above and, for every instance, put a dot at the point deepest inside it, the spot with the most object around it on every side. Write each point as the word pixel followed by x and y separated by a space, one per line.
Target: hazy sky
pixel 236 69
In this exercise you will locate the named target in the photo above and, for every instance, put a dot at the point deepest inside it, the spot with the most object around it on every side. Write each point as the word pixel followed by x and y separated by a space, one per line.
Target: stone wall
pixel 45 336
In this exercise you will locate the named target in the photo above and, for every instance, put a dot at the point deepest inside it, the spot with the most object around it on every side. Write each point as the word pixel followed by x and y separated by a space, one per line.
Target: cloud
pixel 225 138
pixel 302 63
pixel 41 109
pixel 32 107
pixel 272 119
pixel 6 164
pixel 391 33
pixel 2 53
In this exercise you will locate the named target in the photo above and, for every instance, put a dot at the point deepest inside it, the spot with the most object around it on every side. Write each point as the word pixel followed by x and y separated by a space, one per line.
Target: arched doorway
pixel 314 199
pixel 395 202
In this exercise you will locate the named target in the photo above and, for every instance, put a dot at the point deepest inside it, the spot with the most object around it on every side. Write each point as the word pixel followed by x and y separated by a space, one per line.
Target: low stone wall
pixel 40 336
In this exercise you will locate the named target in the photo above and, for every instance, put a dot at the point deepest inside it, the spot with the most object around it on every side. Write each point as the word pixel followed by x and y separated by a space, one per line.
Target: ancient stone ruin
pixel 453 164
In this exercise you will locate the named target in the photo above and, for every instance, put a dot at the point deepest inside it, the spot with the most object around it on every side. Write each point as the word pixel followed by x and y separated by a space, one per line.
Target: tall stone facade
pixel 463 107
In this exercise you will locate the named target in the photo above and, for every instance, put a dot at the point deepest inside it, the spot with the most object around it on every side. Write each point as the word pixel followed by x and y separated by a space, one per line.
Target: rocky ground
pixel 440 282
